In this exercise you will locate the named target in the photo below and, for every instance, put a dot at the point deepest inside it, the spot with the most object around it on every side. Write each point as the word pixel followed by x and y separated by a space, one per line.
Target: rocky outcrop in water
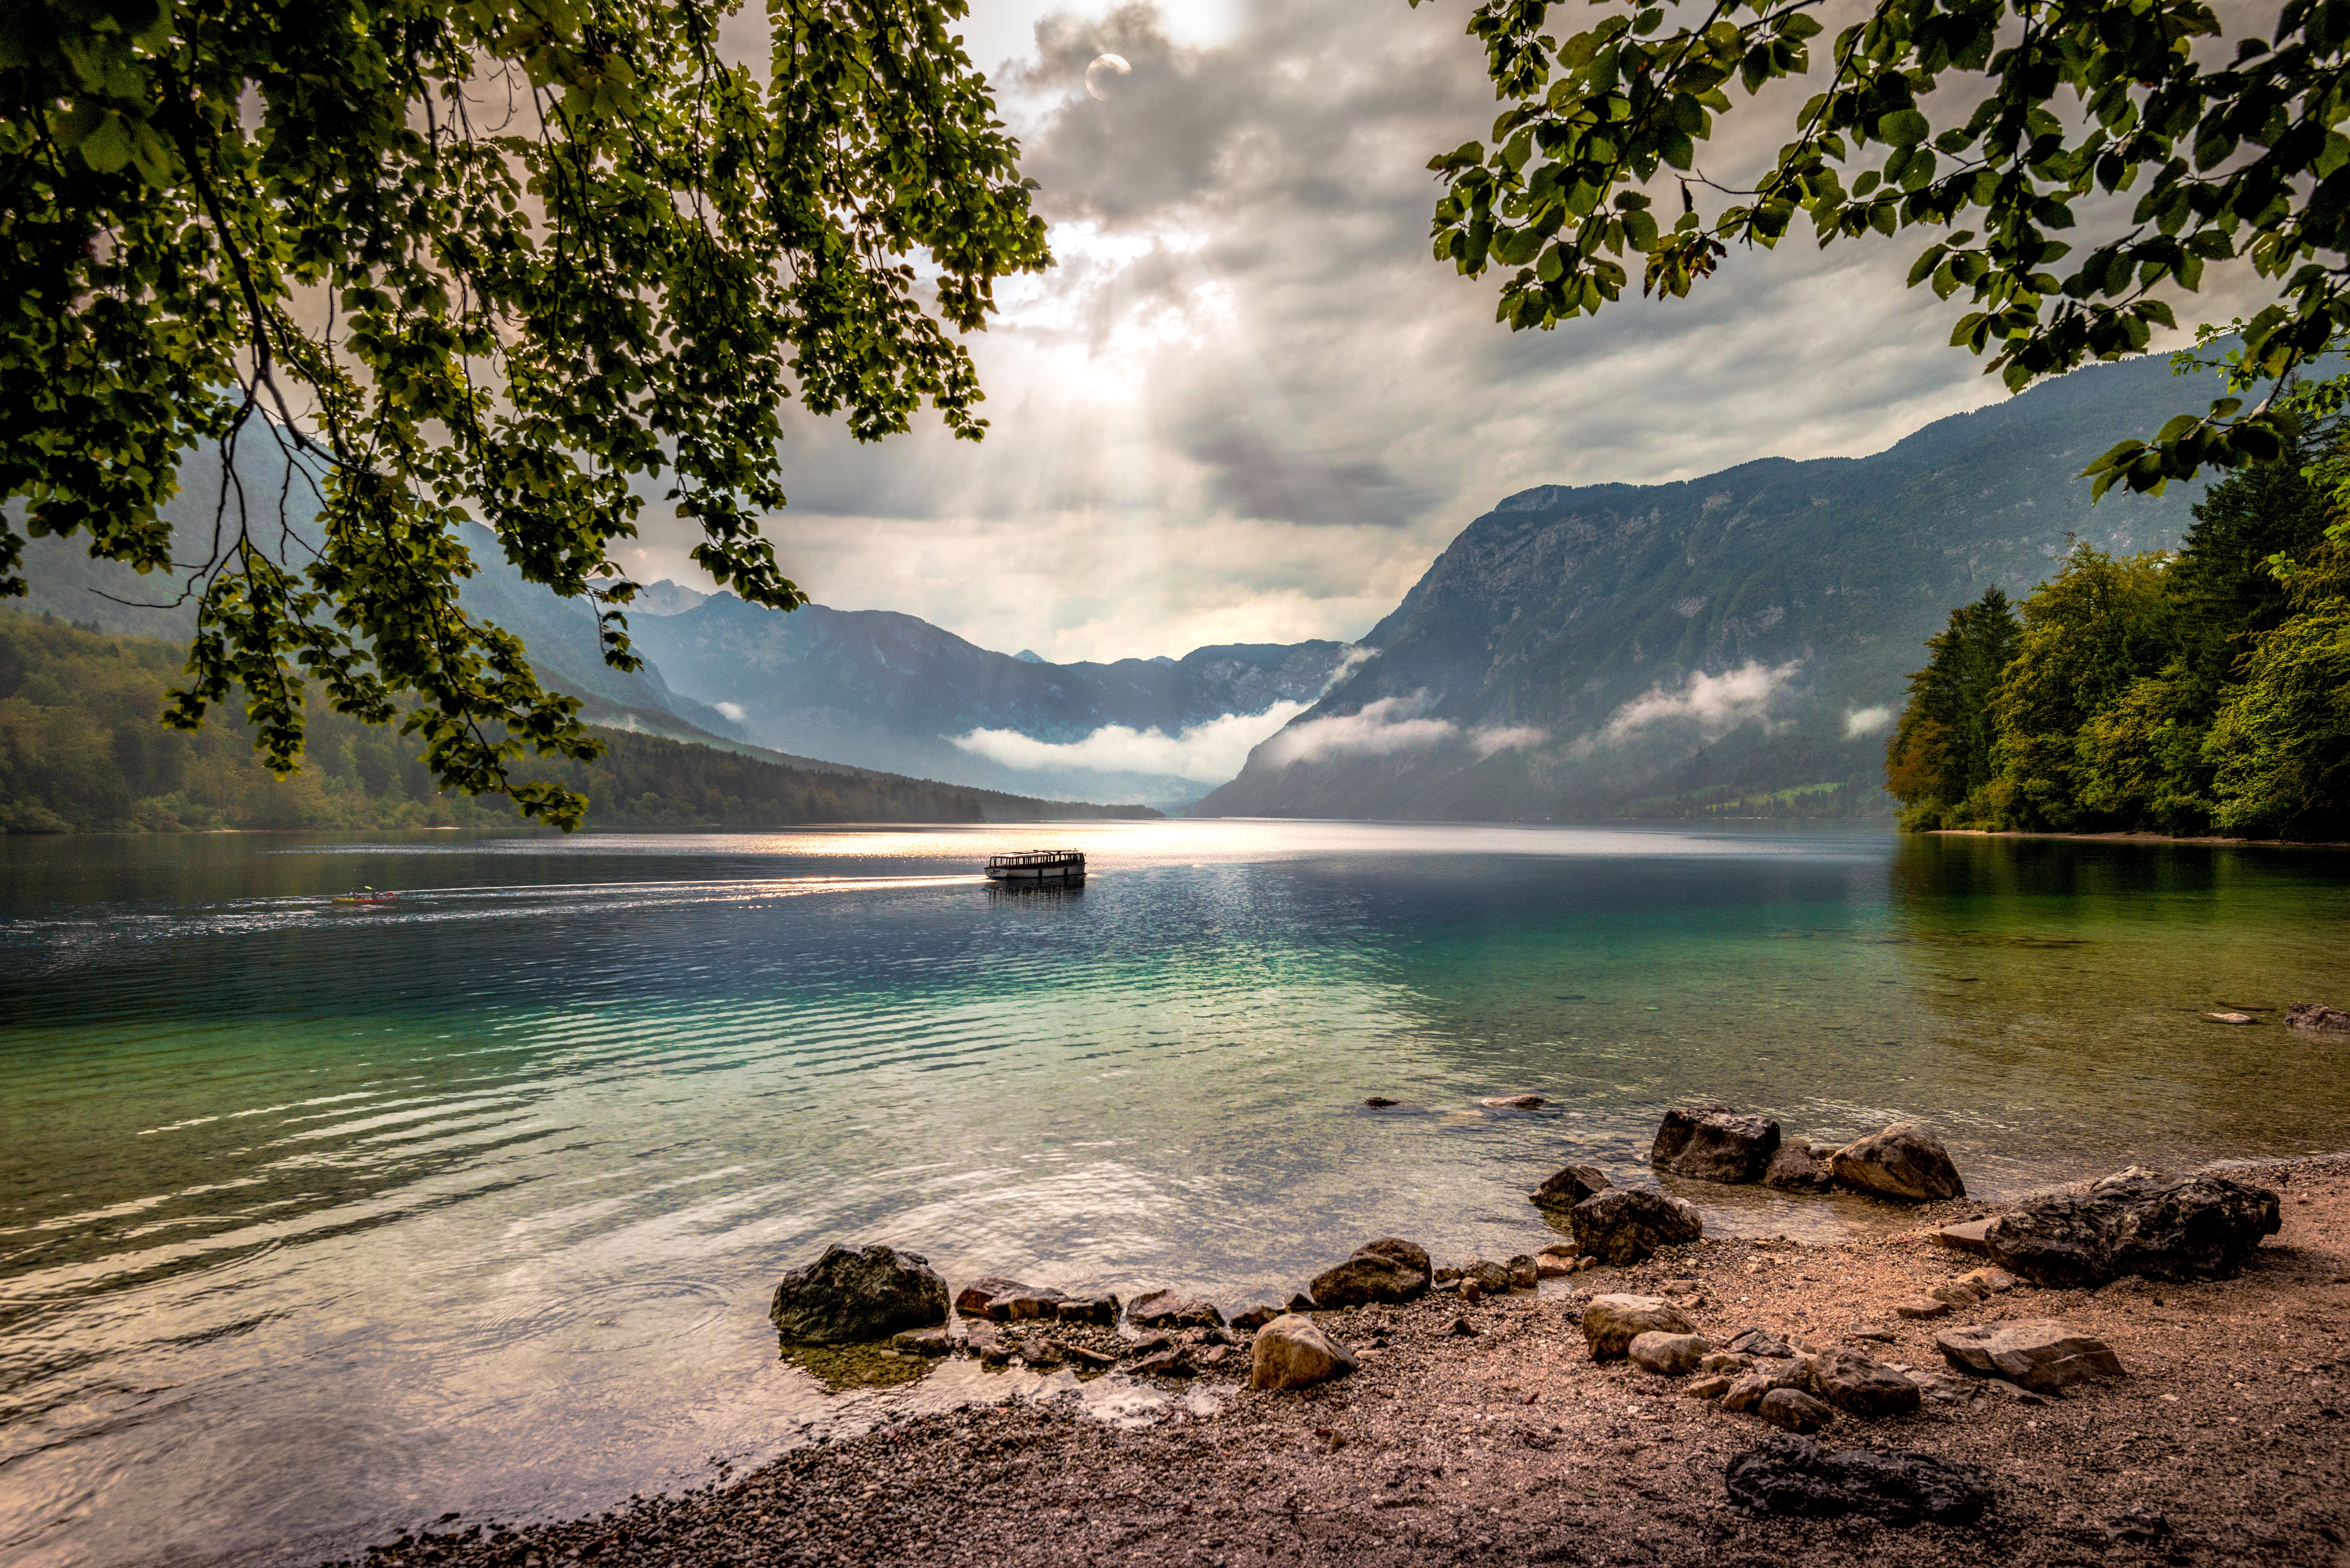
pixel 1796 1167
pixel 1710 1142
pixel 1903 1162
pixel 852 1294
pixel 1569 1186
pixel 2202 1227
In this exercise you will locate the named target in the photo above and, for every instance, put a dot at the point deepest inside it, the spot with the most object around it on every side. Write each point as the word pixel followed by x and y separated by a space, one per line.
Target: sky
pixel 1247 406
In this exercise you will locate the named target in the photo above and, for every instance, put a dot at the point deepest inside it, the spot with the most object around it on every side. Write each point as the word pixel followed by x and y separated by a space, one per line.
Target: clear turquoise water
pixel 317 1222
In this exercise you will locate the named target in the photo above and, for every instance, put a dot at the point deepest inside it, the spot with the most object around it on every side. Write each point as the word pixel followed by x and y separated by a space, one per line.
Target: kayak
pixel 366 895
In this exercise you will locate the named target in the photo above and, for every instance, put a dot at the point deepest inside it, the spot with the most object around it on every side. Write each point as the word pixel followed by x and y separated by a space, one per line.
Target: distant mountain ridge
pixel 887 691
pixel 1586 651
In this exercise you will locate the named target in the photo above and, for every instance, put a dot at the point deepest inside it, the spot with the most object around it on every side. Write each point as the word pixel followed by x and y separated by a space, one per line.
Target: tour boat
pixel 1038 866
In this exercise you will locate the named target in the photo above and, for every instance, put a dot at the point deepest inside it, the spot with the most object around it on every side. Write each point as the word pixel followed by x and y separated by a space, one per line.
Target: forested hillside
pixel 81 750
pixel 2186 692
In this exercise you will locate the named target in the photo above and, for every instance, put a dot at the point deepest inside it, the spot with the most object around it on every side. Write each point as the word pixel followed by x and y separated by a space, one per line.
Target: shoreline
pixel 2227 1441
pixel 2136 837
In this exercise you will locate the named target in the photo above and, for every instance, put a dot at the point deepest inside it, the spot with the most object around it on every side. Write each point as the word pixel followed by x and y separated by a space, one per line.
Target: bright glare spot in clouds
pixel 1866 722
pixel 1717 703
pixel 1204 754
pixel 1101 76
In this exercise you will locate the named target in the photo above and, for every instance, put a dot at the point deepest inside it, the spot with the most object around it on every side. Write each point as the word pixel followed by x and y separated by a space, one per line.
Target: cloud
pixel 1391 725
pixel 1516 738
pixel 1866 722
pixel 731 709
pixel 1248 406
pixel 1210 752
pixel 1715 702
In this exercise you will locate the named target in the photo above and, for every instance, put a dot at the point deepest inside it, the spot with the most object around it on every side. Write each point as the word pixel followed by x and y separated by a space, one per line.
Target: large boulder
pixel 1853 1381
pixel 2199 1228
pixel 1292 1352
pixel 1794 1475
pixel 1390 1269
pixel 855 1294
pixel 1569 1187
pixel 1903 1162
pixel 1796 1167
pixel 1624 1225
pixel 1610 1323
pixel 2040 1355
pixel 1712 1144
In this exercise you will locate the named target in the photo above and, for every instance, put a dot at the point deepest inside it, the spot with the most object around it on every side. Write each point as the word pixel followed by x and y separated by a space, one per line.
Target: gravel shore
pixel 2228 1442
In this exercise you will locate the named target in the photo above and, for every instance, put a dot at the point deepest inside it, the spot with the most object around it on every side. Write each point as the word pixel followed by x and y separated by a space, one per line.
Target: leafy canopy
pixel 528 261
pixel 1989 121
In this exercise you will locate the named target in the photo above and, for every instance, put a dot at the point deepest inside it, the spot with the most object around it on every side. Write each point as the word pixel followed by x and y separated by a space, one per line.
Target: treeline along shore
pixel 82 750
pixel 2189 693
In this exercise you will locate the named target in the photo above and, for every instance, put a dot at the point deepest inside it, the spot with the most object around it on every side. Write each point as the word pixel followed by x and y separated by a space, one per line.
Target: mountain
pixel 887 691
pixel 62 579
pixel 1612 650
pixel 80 751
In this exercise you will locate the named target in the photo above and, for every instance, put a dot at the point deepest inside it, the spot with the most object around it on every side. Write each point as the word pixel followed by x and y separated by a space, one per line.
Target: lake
pixel 318 1220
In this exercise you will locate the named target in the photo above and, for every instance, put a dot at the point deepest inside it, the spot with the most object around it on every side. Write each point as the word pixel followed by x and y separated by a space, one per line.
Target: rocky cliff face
pixel 1590 650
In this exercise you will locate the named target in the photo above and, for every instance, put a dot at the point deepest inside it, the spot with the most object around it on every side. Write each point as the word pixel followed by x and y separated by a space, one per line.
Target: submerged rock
pixel 1624 1225
pixel 1569 1186
pixel 1390 1269
pixel 853 1295
pixel 1786 1474
pixel 1712 1143
pixel 1903 1162
pixel 2316 1018
pixel 1292 1352
pixel 1515 1103
pixel 2200 1228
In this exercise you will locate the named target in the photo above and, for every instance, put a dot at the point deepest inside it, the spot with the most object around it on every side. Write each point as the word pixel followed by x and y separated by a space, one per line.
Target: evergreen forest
pixel 81 751
pixel 2195 691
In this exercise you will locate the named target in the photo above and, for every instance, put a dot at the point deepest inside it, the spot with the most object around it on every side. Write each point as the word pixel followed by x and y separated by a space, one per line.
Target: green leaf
pixel 1902 127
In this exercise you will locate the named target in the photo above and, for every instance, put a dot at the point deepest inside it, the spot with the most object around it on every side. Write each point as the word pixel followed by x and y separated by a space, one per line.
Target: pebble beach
pixel 1485 1430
